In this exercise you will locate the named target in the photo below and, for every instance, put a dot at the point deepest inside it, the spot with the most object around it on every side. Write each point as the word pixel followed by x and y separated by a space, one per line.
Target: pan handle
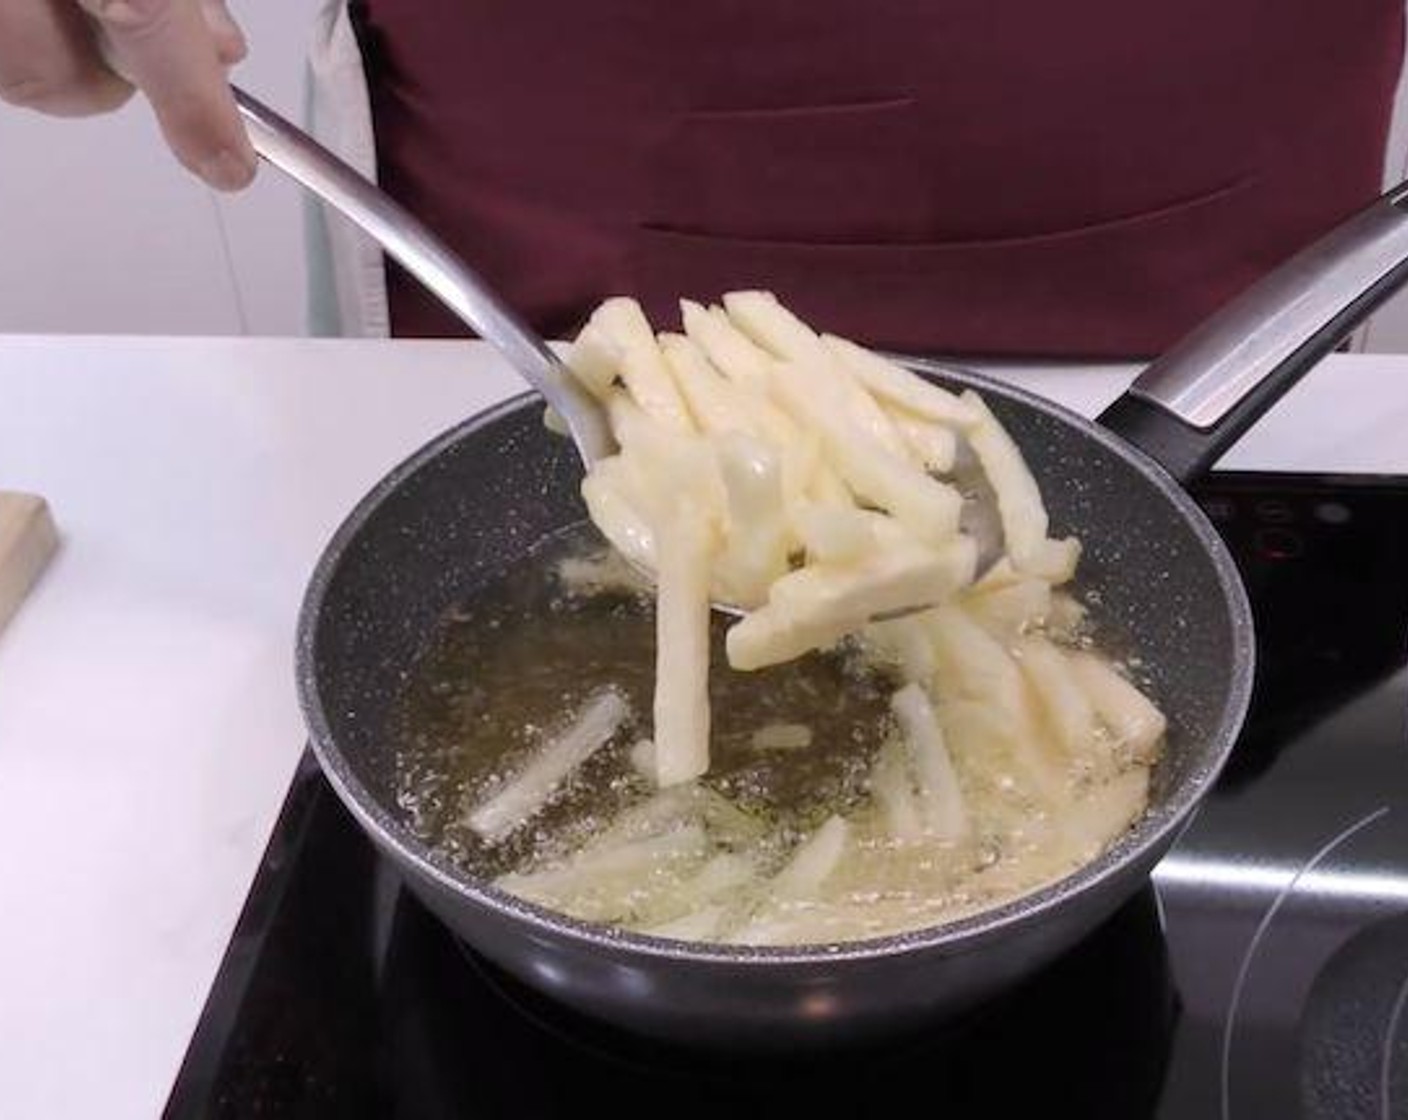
pixel 1197 399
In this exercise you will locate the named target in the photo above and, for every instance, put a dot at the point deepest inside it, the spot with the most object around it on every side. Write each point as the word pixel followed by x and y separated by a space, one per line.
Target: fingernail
pixel 226 171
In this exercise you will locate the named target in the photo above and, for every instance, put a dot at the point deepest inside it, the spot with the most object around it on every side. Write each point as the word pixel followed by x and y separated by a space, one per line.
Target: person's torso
pixel 1087 178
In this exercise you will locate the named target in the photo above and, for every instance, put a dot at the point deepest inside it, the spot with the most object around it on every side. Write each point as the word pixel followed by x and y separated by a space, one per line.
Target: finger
pixel 167 50
pixel 48 61
pixel 230 44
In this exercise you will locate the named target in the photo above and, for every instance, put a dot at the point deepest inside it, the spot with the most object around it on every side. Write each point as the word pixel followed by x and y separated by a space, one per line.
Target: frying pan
pixel 472 502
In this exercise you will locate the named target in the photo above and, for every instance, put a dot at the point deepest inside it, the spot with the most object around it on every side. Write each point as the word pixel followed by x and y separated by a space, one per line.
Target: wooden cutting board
pixel 27 541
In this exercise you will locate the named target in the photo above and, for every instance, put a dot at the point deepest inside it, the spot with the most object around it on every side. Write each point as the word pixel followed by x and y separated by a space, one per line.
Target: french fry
pixel 622 324
pixel 642 756
pixel 703 924
pixel 1066 620
pixel 926 506
pixel 773 327
pixel 893 792
pixel 533 787
pixel 814 860
pixel 1067 708
pixel 990 737
pixel 781 737
pixel 819 604
pixel 973 665
pixel 607 490
pixel 667 468
pixel 605 572
pixel 1008 611
pixel 732 352
pixel 757 539
pixel 836 534
pixel 617 343
pixel 595 360
pixel 684 547
pixel 1055 561
pixel 1019 503
pixel 940 798
pixel 1130 716
pixel 905 642
pixel 898 386
pixel 607 884
pixel 653 389
pixel 716 404
pixel 930 445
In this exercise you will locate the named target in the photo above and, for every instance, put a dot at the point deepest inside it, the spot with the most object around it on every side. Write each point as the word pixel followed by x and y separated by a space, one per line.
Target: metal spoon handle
pixel 406 239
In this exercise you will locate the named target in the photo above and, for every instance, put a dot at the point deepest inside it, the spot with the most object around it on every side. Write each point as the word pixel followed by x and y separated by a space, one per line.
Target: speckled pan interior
pixel 476 499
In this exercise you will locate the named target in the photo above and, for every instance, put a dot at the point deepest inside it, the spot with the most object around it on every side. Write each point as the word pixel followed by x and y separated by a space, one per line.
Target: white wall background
pixel 101 232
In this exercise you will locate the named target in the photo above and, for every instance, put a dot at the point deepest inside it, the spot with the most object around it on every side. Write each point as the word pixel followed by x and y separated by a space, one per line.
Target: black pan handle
pixel 1197 399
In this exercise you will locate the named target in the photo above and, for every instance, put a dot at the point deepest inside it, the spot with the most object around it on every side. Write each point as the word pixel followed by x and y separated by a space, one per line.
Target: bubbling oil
pixel 526 651
pixel 512 664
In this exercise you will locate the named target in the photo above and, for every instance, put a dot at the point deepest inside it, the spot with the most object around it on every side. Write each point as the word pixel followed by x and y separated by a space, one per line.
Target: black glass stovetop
pixel 1263 974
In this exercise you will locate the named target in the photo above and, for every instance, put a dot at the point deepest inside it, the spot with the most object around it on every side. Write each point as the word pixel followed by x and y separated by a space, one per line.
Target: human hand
pixel 72 58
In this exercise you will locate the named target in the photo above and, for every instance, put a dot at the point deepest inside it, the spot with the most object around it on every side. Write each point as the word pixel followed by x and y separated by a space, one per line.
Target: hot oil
pixel 512 664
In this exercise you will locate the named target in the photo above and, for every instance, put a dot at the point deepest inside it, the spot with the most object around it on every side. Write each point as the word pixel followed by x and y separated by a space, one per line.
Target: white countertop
pixel 148 725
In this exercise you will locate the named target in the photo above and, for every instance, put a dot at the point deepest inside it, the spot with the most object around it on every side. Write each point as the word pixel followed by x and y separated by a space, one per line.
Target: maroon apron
pixel 1087 178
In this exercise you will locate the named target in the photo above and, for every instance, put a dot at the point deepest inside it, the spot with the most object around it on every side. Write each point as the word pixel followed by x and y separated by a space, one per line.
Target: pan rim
pixel 1153 833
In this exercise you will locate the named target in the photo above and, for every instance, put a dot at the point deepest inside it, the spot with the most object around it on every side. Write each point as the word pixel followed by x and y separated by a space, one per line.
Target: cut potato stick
pixel 819 604
pixel 605 572
pixel 1069 713
pixel 925 506
pixel 757 540
pixel 606 884
pixel 720 406
pixel 1055 560
pixel 781 737
pixel 667 469
pixel 930 445
pixel 1066 618
pixel 836 534
pixel 1019 503
pixel 720 874
pixel 894 795
pixel 607 491
pixel 617 343
pixel 731 351
pixel 716 404
pixel 773 327
pixel 595 360
pixel 905 641
pixel 703 924
pixel 651 385
pixel 1132 719
pixel 1011 610
pixel 899 386
pixel 621 322
pixel 991 736
pixel 525 795
pixel 768 636
pixel 972 664
pixel 684 547
pixel 553 422
pixel 813 861
pixel 940 798
pixel 642 756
